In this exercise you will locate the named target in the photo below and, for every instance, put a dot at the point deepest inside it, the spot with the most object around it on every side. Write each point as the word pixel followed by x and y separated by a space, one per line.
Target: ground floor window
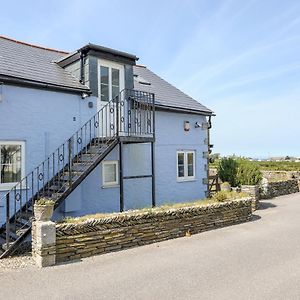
pixel 12 162
pixel 110 173
pixel 185 165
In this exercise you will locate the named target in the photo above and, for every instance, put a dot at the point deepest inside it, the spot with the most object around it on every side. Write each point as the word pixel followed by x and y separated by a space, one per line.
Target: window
pixel 12 163
pixel 185 165
pixel 110 173
pixel 109 83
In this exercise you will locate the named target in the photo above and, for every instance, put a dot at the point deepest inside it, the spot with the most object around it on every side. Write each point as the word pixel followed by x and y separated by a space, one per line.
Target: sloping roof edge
pixel 40 84
pixel 184 110
pixel 32 45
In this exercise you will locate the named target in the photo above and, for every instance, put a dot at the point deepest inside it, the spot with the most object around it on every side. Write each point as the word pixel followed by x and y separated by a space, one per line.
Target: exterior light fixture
pixel 186 126
pixel 197 125
pixel 84 95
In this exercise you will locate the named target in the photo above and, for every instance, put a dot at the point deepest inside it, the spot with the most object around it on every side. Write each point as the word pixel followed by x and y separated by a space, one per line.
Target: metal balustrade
pixel 129 114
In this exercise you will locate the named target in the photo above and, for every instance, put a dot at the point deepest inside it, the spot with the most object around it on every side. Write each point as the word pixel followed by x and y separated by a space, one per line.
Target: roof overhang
pixel 42 85
pixel 184 110
pixel 100 52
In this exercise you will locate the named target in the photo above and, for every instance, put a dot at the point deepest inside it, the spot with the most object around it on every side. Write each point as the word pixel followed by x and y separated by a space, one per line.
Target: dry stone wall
pixel 275 189
pixel 126 230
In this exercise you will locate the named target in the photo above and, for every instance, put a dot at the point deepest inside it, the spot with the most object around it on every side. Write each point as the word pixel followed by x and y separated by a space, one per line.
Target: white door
pixel 111 82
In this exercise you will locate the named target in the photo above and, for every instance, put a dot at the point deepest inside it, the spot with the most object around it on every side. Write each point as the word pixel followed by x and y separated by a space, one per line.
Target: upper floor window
pixel 12 163
pixel 110 80
pixel 185 165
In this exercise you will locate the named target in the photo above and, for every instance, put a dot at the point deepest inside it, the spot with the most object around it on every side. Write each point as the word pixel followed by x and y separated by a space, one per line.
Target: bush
pixel 220 196
pixel 227 195
pixel 45 201
pixel 248 173
pixel 227 170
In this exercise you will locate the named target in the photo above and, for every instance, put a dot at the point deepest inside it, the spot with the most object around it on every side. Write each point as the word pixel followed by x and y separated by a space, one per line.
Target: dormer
pixel 105 71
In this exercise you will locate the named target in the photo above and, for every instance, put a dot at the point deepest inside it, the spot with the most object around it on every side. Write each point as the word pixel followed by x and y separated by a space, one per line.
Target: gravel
pixel 16 262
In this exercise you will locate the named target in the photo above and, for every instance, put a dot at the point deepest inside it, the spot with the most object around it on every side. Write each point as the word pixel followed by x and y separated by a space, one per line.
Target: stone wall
pixel 44 243
pixel 275 189
pixel 253 191
pixel 126 230
pixel 281 175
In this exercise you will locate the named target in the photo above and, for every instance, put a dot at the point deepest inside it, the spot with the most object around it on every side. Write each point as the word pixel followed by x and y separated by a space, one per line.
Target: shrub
pixel 227 195
pixel 45 201
pixel 227 170
pixel 248 173
pixel 220 196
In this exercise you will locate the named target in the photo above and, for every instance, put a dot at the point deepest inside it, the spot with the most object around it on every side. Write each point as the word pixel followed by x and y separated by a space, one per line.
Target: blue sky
pixel 239 58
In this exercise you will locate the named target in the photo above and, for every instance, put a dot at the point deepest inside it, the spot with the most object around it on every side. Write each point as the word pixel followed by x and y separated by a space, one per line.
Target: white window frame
pixel 111 183
pixel 8 185
pixel 110 65
pixel 185 165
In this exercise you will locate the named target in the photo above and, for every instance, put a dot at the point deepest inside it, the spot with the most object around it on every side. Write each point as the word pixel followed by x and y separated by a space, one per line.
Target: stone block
pixel 45 261
pixel 45 233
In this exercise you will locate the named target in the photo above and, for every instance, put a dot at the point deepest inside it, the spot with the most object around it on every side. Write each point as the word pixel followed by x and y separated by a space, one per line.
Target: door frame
pixel 114 65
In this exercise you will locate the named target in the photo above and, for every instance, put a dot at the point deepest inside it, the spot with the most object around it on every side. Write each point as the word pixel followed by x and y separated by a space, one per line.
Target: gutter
pixel 184 110
pixel 43 85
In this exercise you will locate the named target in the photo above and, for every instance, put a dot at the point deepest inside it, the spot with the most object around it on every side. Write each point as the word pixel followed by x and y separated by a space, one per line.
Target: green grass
pixel 270 165
pixel 217 198
pixel 279 165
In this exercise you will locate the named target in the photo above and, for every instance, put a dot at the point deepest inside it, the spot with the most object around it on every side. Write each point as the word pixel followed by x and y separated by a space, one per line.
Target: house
pixel 95 132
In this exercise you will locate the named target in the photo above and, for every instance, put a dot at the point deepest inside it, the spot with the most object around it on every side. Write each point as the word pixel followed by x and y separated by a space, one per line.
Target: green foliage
pixel 267 165
pixel 227 195
pixel 239 171
pixel 45 201
pixel 279 165
pixel 227 170
pixel 248 173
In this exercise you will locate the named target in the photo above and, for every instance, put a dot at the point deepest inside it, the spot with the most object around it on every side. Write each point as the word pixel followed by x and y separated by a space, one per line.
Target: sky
pixel 239 58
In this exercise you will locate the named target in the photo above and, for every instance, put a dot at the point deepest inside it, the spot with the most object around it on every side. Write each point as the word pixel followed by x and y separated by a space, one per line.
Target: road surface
pixel 255 260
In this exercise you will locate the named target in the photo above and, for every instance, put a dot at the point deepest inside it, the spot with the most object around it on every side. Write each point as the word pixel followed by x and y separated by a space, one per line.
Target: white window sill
pixel 8 187
pixel 186 180
pixel 110 186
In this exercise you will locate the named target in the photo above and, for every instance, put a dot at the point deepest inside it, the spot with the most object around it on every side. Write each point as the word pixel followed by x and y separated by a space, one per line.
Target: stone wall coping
pixel 120 219
pixel 283 181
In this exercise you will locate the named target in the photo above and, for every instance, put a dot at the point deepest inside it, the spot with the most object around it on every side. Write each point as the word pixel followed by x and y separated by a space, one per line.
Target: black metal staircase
pixel 128 117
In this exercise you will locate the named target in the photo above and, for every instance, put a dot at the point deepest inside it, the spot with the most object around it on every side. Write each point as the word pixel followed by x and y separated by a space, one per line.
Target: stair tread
pixel 54 190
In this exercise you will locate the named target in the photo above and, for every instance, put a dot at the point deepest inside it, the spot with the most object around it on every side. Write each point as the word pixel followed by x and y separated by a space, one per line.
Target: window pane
pixel 180 170
pixel 180 158
pixel 104 74
pixel 104 92
pixel 180 164
pixel 190 157
pixel 115 91
pixel 110 173
pixel 10 163
pixel 115 77
pixel 190 170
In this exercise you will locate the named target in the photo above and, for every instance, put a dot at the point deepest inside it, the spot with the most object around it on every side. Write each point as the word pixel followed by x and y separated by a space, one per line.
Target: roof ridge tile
pixel 32 45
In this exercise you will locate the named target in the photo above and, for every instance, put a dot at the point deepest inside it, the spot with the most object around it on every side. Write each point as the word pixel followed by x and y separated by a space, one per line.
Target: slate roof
pixel 38 65
pixel 166 95
pixel 19 60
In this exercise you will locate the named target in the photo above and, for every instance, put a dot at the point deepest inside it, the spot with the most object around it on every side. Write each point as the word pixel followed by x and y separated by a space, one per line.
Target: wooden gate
pixel 213 184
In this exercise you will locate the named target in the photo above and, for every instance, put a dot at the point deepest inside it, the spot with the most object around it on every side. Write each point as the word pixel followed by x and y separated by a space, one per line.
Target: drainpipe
pixel 209 151
pixel 82 56
pixel 1 91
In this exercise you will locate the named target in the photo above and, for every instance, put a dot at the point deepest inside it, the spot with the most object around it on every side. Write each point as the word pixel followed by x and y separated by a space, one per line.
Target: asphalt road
pixel 254 260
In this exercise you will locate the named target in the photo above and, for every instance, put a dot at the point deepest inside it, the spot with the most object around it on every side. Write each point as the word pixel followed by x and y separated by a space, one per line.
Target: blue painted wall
pixel 44 120
pixel 41 118
pixel 170 137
